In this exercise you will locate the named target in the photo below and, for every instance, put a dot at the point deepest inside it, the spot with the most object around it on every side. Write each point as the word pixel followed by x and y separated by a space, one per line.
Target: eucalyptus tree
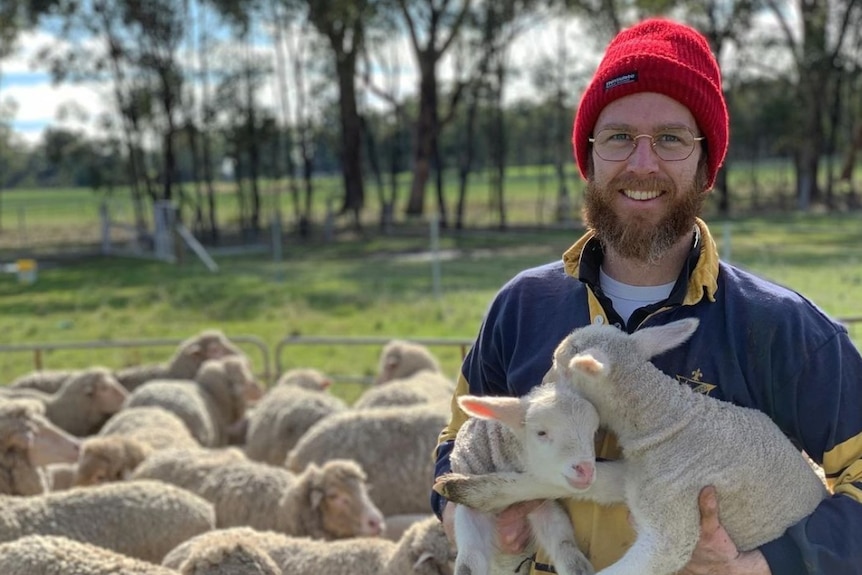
pixel 816 40
pixel 343 23
pixel 433 26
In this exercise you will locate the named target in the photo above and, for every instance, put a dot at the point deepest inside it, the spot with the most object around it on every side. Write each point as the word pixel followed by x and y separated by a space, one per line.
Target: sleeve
pixel 826 418
pixel 481 374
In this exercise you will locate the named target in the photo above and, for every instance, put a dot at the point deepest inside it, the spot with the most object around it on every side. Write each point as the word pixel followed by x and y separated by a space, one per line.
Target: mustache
pixel 649 184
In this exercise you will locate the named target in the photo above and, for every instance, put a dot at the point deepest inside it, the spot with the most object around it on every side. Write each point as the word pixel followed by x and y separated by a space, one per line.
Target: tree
pixel 342 23
pixel 815 52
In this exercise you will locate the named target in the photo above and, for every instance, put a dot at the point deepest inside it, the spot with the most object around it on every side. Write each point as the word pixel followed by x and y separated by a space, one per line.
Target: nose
pixel 643 160
pixel 585 471
pixel 374 526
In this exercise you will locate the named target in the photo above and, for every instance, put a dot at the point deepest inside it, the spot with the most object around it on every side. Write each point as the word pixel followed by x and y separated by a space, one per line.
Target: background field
pixel 378 286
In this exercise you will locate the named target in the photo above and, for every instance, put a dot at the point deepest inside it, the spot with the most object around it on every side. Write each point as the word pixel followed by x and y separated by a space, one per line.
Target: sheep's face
pixel 50 444
pixel 345 505
pixel 559 435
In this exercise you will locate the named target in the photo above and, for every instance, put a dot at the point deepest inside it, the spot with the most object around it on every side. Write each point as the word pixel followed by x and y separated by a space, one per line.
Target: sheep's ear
pixel 591 362
pixel 316 498
pixel 426 556
pixel 507 410
pixel 653 341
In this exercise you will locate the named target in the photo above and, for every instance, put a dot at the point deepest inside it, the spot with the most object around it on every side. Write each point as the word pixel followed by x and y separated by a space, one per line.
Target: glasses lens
pixel 670 145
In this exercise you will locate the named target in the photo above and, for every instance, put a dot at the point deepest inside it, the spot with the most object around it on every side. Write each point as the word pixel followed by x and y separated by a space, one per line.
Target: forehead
pixel 647 112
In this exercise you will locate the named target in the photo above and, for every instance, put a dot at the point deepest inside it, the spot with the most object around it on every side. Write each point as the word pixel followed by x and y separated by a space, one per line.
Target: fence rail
pixel 272 362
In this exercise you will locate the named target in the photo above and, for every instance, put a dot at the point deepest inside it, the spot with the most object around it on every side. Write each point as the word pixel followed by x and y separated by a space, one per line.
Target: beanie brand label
pixel 627 78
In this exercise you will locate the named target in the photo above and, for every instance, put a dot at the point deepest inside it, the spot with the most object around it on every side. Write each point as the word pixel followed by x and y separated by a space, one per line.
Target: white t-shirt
pixel 627 298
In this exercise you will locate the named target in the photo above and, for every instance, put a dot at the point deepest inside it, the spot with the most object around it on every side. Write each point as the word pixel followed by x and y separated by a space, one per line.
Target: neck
pixel 641 273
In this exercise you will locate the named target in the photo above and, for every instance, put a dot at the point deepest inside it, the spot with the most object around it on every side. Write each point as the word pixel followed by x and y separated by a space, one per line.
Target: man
pixel 650 134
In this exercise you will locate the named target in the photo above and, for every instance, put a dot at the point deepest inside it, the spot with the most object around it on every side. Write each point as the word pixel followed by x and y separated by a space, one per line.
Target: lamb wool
pixel 666 57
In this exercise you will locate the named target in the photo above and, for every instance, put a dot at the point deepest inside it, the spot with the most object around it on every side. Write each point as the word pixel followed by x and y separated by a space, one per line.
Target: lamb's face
pixel 559 436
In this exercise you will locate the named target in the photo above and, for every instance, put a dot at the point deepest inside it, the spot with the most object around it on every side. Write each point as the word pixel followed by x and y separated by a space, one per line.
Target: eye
pixel 616 137
pixel 542 433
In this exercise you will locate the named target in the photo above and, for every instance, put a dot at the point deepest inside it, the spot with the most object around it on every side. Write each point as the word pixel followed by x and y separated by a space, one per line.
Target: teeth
pixel 639 195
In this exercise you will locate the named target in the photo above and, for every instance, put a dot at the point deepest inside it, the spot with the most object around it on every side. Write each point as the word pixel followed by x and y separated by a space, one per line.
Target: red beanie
pixel 661 56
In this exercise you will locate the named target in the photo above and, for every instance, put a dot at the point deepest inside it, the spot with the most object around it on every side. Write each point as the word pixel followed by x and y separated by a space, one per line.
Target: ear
pixel 591 362
pixel 653 341
pixel 507 410
pixel 426 556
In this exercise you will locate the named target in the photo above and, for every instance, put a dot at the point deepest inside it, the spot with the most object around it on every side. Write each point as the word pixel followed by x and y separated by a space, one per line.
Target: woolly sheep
pixel 28 442
pixel 396 525
pixel 400 358
pixel 58 555
pixel 83 403
pixel 210 404
pixel 548 432
pixel 152 425
pixel 44 380
pixel 61 476
pixel 229 558
pixel 392 444
pixel 305 378
pixel 281 417
pixel 662 425
pixel 327 502
pixel 424 386
pixel 141 519
pixel 184 363
pixel 109 458
pixel 422 550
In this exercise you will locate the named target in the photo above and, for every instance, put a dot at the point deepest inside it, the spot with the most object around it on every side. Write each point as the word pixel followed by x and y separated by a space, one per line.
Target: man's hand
pixel 716 553
pixel 513 529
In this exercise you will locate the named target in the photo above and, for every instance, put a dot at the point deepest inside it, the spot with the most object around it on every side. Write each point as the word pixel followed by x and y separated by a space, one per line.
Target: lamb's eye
pixel 541 433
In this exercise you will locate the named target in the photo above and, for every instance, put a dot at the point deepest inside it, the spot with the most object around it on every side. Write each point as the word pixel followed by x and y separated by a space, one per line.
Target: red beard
pixel 636 238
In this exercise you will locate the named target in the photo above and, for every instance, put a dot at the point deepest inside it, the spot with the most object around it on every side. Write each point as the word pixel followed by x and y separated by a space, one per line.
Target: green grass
pixel 378 287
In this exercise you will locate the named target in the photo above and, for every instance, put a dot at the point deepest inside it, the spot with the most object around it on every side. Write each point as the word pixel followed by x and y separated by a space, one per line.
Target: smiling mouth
pixel 641 195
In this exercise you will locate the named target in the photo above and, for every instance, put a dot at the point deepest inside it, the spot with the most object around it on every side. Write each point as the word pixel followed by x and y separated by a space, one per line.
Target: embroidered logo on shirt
pixel 626 78
pixel 695 383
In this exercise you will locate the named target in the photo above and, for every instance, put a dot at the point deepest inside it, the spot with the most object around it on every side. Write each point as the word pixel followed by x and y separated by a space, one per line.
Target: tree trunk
pixel 424 135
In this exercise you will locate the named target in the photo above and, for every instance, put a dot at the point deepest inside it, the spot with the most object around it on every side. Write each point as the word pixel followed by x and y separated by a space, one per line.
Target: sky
pixel 38 104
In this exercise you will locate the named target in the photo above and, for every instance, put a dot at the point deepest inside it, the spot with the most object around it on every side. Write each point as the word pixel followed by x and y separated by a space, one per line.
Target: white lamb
pixel 548 432
pixel 675 442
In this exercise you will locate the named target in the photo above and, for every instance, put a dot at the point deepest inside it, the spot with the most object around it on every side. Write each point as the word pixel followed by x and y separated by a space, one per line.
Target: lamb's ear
pixel 591 362
pixel 507 410
pixel 652 341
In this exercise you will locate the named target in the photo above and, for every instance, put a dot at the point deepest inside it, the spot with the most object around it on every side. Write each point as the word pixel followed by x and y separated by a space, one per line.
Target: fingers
pixel 708 503
pixel 513 529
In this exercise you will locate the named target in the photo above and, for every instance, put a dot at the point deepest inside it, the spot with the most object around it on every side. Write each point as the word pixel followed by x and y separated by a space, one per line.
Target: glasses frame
pixel 592 140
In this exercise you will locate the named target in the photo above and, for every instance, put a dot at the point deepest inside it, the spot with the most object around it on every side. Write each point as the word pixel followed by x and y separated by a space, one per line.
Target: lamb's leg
pixel 491 492
pixel 474 540
pixel 553 530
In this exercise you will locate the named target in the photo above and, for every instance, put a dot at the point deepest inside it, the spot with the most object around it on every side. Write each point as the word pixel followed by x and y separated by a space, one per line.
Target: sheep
pixel 210 404
pixel 392 444
pixel 109 458
pixel 58 555
pixel 83 403
pixel 422 550
pixel 662 425
pixel 306 378
pixel 229 558
pixel 28 443
pixel 401 358
pixel 184 363
pixel 396 525
pixel 548 432
pixel 44 380
pixel 326 502
pixel 424 386
pixel 152 425
pixel 141 519
pixel 281 417
pixel 61 476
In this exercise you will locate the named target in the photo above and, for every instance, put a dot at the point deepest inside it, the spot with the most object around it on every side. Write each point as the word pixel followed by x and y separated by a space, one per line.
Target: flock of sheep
pixel 191 466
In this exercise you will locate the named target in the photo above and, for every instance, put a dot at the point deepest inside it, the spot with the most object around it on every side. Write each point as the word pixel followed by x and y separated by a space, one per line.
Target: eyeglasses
pixel 671 145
